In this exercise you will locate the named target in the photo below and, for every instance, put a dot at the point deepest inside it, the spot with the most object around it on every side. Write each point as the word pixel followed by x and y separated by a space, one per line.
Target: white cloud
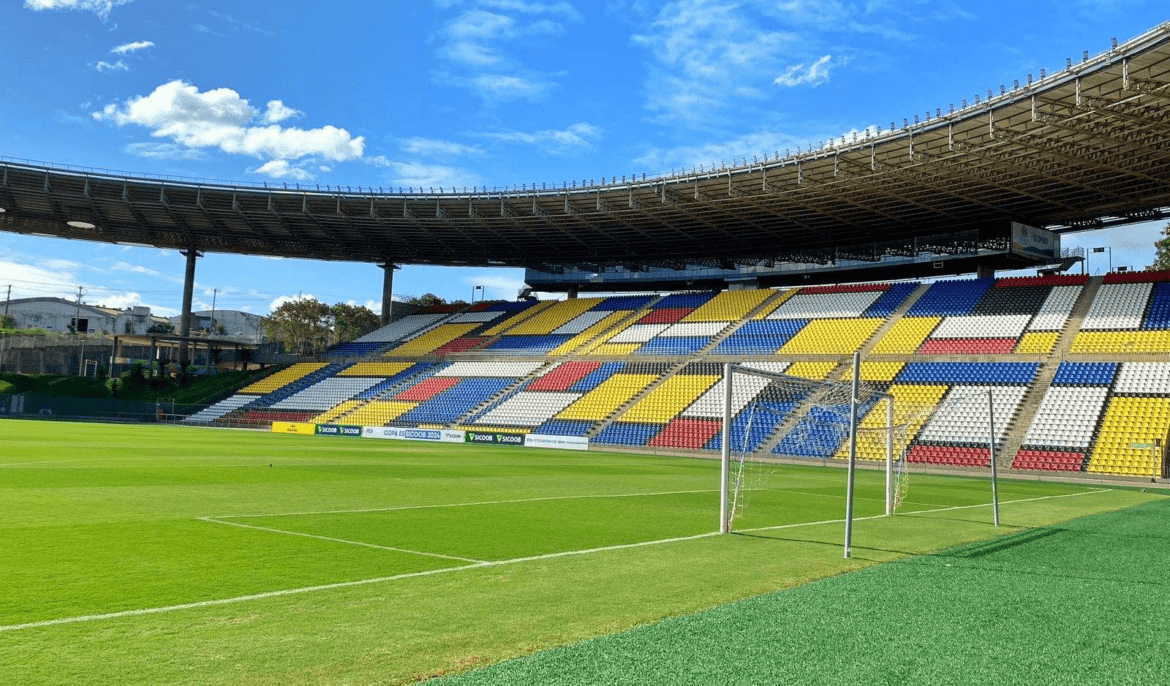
pixel 103 65
pixel 133 269
pixel 102 8
pixel 505 87
pixel 126 48
pixel 420 175
pixel 163 151
pixel 706 54
pixel 221 119
pixel 562 8
pixel 430 147
pixel 686 156
pixel 281 169
pixel 814 75
pixel 277 112
pixel 282 299
pixel 497 287
pixel 712 61
pixel 572 138
pixel 475 45
pixel 56 280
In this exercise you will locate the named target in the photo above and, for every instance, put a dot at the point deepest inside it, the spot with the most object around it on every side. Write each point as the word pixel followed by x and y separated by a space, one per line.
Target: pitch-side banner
pixel 560 442
pixel 339 430
pixel 293 428
pixel 493 438
pixel 400 434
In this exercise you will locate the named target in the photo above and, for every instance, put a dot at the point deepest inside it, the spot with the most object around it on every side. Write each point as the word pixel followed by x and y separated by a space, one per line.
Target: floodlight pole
pixel 852 450
pixel 889 456
pixel 994 467
pixel 725 467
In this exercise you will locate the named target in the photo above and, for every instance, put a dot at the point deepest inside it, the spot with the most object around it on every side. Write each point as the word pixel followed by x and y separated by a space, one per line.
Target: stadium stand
pixel 1100 408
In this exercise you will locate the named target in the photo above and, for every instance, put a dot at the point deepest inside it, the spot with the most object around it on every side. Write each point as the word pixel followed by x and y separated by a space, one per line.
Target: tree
pixel 430 299
pixel 160 327
pixel 7 321
pixel 1162 250
pixel 301 325
pixel 425 300
pixel 352 321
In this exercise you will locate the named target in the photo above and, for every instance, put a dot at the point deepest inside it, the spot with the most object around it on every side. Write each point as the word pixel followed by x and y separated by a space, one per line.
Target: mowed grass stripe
pixel 470 504
pixel 475 565
pixel 517 529
pixel 1081 602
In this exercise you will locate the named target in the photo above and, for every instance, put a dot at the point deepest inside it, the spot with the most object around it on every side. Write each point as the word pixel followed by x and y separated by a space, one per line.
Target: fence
pixel 105 409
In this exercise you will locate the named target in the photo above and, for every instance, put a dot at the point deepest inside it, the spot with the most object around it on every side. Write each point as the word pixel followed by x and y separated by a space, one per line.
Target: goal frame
pixel 729 371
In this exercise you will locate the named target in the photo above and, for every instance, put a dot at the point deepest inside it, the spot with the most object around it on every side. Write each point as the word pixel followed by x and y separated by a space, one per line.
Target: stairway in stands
pixel 1030 404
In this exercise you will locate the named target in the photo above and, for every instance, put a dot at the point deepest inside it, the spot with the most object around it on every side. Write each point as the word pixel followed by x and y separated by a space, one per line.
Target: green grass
pixel 1082 602
pixel 387 562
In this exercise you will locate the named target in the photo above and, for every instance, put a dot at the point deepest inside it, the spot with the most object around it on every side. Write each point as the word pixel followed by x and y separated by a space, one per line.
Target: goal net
pixel 774 418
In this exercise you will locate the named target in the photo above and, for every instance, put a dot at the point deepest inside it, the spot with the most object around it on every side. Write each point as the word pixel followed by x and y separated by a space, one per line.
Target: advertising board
pixel 1028 240
pixel 293 428
pixel 558 442
pixel 403 434
pixel 494 438
pixel 339 430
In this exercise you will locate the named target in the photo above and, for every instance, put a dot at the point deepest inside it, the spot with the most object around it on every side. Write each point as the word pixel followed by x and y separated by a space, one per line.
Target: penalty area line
pixel 338 585
pixel 212 520
pixel 471 504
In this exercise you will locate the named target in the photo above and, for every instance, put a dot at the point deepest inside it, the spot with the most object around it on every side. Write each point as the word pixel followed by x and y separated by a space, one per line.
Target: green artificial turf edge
pixel 1079 602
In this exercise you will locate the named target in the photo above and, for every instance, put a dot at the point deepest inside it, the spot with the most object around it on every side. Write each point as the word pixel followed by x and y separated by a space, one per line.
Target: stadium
pixel 648 479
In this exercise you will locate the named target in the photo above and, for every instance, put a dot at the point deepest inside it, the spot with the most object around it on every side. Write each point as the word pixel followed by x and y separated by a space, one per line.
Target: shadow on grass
pixel 830 544
pixel 1028 536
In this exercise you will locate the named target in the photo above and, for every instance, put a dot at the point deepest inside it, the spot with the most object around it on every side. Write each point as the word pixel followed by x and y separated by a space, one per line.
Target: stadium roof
pixel 1081 148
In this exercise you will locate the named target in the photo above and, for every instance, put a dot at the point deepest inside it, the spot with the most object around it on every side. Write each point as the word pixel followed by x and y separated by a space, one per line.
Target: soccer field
pixel 156 554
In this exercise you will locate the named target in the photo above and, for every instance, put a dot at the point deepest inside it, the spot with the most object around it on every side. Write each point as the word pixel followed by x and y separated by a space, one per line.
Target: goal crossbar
pixel 730 369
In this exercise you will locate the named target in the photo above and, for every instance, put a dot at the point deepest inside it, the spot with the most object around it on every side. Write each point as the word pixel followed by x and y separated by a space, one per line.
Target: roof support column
pixel 387 291
pixel 984 271
pixel 188 292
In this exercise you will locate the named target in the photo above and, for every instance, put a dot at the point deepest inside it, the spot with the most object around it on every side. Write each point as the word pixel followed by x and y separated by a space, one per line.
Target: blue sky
pixel 472 93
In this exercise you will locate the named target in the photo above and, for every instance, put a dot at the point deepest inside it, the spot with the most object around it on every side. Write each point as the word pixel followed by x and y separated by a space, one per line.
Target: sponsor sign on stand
pixel 401 434
pixel 293 428
pixel 559 442
pixel 493 438
pixel 339 430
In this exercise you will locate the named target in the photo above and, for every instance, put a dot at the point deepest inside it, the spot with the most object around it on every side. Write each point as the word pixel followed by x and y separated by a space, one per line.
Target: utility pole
pixel 214 292
pixel 3 340
pixel 77 330
pixel 77 313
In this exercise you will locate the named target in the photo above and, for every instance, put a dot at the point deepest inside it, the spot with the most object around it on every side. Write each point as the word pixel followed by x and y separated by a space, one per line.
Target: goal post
pixel 731 487
pixel 770 416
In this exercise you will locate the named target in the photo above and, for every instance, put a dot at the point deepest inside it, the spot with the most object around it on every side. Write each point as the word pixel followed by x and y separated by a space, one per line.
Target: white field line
pixel 496 563
pixel 472 504
pixel 213 520
pixel 916 512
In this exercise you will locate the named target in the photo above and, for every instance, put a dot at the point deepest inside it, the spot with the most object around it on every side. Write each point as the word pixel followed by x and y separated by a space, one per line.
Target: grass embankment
pixel 163 388
pixel 241 557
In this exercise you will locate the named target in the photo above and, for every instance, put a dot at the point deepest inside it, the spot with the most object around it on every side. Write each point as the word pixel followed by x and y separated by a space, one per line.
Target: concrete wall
pixel 63 354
